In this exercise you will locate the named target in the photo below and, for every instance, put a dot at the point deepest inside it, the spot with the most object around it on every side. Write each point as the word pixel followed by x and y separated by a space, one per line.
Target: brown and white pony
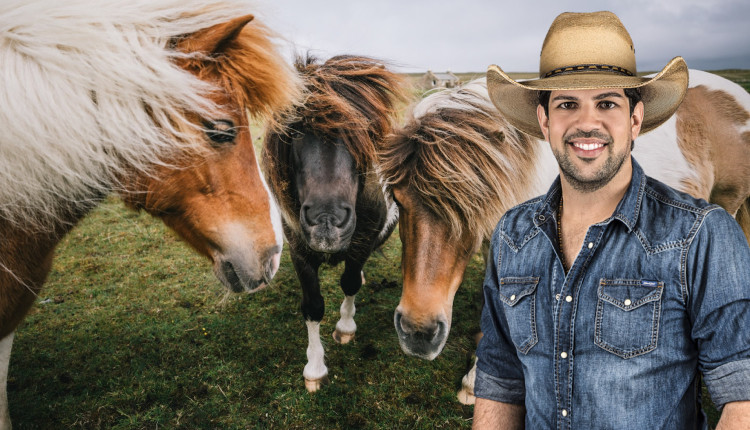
pixel 322 170
pixel 151 100
pixel 457 166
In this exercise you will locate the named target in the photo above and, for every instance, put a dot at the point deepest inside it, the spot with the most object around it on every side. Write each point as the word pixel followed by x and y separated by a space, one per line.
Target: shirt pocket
pixel 519 297
pixel 627 316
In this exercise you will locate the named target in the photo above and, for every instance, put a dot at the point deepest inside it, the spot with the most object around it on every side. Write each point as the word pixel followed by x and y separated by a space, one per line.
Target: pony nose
pixel 337 215
pixel 421 340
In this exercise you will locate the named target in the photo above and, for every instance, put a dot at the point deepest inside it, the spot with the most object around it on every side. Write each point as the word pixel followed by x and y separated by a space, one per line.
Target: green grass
pixel 132 331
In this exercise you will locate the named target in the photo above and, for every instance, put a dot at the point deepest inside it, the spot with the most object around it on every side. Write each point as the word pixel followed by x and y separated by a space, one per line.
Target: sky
pixel 469 35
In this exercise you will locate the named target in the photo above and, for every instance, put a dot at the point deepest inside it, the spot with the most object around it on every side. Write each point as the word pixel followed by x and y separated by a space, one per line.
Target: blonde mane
pixel 454 154
pixel 92 91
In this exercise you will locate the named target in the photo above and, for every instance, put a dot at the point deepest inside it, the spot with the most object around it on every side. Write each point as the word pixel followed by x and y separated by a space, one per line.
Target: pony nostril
pixel 343 216
pixel 307 216
pixel 271 263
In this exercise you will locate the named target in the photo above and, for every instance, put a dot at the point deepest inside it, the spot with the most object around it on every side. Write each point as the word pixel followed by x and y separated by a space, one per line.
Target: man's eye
pixel 606 104
pixel 566 105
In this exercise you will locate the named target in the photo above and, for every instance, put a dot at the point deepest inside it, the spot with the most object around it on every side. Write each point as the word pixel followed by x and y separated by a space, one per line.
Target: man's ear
pixel 541 116
pixel 636 120
pixel 213 40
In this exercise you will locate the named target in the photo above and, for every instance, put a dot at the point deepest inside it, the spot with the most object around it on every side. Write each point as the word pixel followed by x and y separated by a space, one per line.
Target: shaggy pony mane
pixel 455 153
pixel 92 91
pixel 347 97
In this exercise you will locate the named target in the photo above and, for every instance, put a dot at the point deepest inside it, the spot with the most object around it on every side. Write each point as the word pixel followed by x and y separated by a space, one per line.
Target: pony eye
pixel 220 131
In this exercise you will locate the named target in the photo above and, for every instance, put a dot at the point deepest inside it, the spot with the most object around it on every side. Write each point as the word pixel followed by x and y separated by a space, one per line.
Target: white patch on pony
pixel 658 152
pixel 474 92
pixel 346 322
pixel 76 79
pixel 546 170
pixel 391 218
pixel 5 347
pixel 315 368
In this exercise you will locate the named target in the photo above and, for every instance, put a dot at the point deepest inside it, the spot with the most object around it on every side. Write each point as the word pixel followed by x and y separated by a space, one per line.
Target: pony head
pixel 214 196
pixel 440 168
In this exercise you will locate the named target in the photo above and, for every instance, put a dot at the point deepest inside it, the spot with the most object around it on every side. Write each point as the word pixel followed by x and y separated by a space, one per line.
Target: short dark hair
pixel 633 95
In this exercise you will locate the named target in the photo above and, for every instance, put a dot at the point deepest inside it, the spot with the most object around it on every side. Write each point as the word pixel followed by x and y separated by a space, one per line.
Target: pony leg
pixel 351 281
pixel 316 372
pixel 346 327
pixel 5 346
pixel 466 393
pixel 313 309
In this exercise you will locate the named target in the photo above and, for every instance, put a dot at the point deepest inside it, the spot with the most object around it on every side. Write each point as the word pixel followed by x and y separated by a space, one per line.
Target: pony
pixel 322 171
pixel 151 100
pixel 457 166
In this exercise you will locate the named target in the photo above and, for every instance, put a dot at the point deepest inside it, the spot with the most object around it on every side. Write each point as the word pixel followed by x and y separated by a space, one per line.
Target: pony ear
pixel 214 39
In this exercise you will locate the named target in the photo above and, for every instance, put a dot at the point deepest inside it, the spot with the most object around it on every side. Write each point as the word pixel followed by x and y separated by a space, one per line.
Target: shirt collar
pixel 627 210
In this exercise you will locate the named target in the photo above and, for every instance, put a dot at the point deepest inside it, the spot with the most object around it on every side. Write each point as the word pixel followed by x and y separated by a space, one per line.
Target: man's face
pixel 590 132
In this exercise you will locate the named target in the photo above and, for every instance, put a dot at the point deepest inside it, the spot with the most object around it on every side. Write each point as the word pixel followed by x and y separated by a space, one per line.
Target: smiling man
pixel 608 298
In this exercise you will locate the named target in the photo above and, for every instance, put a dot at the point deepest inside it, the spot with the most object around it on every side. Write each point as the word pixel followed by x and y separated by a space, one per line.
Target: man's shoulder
pixel 671 216
pixel 664 195
pixel 518 222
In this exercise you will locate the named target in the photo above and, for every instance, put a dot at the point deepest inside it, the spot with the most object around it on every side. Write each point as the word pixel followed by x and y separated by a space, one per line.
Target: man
pixel 608 297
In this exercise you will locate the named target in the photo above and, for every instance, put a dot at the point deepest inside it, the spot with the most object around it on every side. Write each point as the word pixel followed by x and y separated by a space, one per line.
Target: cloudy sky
pixel 468 35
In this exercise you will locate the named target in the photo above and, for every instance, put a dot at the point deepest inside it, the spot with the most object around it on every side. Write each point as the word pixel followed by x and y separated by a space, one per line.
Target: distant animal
pixel 151 100
pixel 322 169
pixel 457 166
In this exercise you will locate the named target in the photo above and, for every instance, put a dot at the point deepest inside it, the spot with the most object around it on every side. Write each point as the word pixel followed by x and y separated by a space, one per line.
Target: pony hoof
pixel 314 385
pixel 342 338
pixel 465 397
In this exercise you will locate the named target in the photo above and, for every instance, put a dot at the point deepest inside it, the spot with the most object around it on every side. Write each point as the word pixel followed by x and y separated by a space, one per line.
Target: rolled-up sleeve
pixel 728 383
pixel 499 372
pixel 718 278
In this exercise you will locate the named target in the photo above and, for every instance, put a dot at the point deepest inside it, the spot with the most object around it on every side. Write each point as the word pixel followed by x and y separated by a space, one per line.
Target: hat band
pixel 589 68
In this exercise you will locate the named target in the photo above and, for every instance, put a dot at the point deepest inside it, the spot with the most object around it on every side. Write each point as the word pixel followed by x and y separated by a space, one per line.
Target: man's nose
pixel 589 118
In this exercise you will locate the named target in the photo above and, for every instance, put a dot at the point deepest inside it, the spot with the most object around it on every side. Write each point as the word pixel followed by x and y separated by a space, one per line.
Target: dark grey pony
pixel 320 163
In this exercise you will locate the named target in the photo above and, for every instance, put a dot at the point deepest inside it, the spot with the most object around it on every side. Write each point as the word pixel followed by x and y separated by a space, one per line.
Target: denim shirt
pixel 658 295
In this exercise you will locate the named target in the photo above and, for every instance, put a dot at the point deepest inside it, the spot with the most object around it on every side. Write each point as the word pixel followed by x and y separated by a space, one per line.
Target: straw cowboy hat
pixel 587 51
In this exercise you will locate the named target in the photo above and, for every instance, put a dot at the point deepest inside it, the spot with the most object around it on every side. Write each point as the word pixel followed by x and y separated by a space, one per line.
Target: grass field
pixel 133 331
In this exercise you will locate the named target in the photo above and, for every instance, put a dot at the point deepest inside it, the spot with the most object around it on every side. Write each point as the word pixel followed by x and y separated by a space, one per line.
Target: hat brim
pixel 517 101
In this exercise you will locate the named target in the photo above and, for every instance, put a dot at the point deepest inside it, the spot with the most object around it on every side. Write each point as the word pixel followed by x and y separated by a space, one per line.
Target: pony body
pixel 702 150
pixel 151 100
pixel 322 170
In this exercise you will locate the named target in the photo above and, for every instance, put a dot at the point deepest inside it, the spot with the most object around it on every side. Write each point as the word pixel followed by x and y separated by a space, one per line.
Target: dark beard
pixel 603 177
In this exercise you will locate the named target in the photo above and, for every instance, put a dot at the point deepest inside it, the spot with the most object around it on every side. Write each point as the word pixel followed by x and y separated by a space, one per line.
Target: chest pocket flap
pixel 513 289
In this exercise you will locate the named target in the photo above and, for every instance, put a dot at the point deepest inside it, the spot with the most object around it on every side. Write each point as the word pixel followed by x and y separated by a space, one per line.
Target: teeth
pixel 588 146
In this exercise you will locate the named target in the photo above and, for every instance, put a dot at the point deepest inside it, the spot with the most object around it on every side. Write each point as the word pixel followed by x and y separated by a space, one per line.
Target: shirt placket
pixel 567 300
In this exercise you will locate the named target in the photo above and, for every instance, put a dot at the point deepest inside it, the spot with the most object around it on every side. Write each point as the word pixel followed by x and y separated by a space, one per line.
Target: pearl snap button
pixel 568 299
pixel 565 412
pixel 627 302
pixel 591 245
pixel 557 297
pixel 513 297
pixel 564 354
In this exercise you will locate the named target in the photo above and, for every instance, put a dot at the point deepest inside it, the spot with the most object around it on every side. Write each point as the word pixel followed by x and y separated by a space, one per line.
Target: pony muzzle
pixel 425 340
pixel 239 275
pixel 329 232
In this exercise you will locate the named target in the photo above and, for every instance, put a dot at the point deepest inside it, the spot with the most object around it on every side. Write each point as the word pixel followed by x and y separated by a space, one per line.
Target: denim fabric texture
pixel 658 297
